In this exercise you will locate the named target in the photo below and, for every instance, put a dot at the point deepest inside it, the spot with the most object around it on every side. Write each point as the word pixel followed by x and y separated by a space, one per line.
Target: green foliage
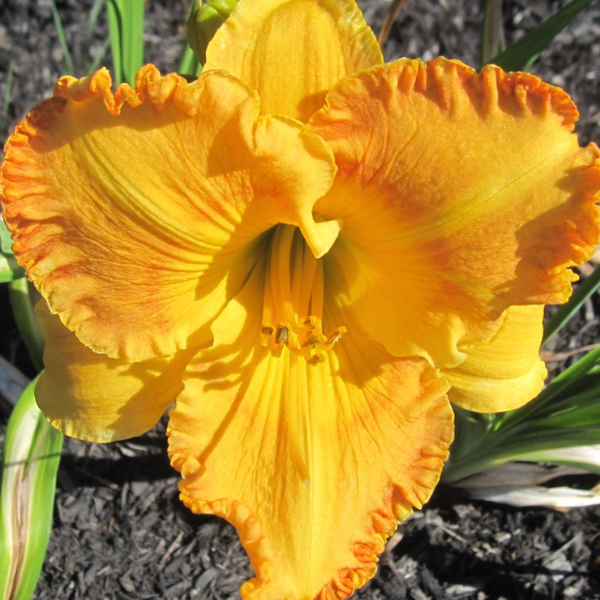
pixel 22 307
pixel 7 96
pixel 91 64
pixel 205 18
pixel 126 26
pixel 492 33
pixel 565 414
pixel 62 38
pixel 564 314
pixel 9 269
pixel 525 52
pixel 30 462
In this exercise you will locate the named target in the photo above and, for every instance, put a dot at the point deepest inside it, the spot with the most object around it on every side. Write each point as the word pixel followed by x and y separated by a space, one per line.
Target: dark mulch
pixel 120 531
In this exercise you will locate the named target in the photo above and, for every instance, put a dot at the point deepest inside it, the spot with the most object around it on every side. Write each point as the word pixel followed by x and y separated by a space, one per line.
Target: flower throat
pixel 293 299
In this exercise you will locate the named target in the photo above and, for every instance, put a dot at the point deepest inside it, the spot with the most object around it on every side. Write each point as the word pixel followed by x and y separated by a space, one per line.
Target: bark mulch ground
pixel 120 533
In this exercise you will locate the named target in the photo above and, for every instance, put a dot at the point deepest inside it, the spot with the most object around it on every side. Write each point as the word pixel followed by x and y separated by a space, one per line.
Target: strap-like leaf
pixel 62 38
pixel 492 34
pixel 562 316
pixel 31 457
pixel 126 26
pixel 9 269
pixel 523 53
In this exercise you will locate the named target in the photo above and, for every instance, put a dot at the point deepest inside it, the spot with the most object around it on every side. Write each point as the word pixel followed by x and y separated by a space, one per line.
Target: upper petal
pixel 137 215
pixel 502 371
pixel 313 463
pixel 293 51
pixel 92 397
pixel 460 193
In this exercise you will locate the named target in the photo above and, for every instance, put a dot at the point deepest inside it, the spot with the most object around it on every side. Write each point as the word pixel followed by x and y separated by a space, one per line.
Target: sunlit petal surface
pixel 502 371
pixel 312 462
pixel 292 52
pixel 139 215
pixel 460 194
pixel 91 397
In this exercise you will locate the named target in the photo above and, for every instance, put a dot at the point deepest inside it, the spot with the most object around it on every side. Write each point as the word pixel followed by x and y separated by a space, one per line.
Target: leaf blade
pixel 524 53
pixel 30 462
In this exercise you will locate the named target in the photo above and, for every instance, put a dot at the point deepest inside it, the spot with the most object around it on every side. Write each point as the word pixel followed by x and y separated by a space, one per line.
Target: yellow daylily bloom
pixel 311 253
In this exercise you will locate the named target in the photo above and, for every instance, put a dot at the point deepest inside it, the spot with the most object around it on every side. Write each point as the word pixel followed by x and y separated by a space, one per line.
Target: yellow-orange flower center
pixel 293 299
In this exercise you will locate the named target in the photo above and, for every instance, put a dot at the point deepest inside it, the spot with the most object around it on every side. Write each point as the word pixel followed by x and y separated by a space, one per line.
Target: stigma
pixel 293 299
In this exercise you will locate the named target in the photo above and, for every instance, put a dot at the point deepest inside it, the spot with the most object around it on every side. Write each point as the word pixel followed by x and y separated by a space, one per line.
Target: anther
pixel 314 341
pixel 265 334
pixel 283 334
pixel 334 337
pixel 316 358
pixel 294 288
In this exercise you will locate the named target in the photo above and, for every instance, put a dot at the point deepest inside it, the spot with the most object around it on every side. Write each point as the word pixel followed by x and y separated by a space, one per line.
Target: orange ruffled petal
pixel 313 464
pixel 139 214
pixel 502 371
pixel 95 398
pixel 461 194
pixel 292 52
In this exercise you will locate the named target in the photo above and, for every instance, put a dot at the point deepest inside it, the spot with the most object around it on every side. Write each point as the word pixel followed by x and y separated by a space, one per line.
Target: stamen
pixel 334 337
pixel 283 335
pixel 294 297
pixel 306 283
pixel 266 333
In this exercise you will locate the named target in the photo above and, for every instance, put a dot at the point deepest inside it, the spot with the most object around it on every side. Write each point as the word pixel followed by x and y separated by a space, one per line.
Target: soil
pixel 120 531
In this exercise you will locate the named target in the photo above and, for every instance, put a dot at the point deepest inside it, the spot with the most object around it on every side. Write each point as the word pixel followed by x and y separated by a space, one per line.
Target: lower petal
pixel 99 399
pixel 503 371
pixel 313 463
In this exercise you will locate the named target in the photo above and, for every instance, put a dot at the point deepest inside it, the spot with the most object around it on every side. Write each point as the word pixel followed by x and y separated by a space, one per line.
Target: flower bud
pixel 206 16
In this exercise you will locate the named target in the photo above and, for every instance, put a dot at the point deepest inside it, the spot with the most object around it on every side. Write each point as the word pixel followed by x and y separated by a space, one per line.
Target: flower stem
pixel 24 317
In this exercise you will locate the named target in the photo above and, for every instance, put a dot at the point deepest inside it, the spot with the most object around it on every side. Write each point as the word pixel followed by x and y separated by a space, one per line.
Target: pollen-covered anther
pixel 307 342
pixel 283 334
pixel 334 337
pixel 295 287
pixel 314 341
pixel 266 333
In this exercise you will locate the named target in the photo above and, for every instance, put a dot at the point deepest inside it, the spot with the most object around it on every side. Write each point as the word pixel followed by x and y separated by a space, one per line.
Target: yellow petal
pixel 312 463
pixel 92 397
pixel 293 51
pixel 460 194
pixel 504 371
pixel 138 215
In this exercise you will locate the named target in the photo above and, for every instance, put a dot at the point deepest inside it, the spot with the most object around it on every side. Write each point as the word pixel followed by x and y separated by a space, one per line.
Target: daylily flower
pixel 309 251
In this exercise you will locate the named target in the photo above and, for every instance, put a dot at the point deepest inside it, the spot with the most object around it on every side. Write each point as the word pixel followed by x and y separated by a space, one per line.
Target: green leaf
pixel 525 52
pixel 492 34
pixel 22 307
pixel 116 45
pixel 91 65
pixel 188 64
pixel 126 26
pixel 5 239
pixel 7 96
pixel 31 458
pixel 562 316
pixel 9 269
pixel 62 38
pixel 585 457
